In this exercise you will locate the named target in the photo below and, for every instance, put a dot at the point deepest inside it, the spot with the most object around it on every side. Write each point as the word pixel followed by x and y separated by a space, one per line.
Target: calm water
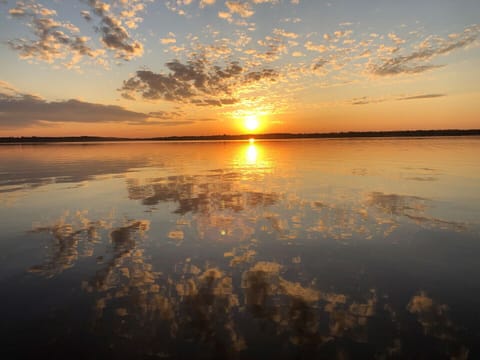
pixel 285 249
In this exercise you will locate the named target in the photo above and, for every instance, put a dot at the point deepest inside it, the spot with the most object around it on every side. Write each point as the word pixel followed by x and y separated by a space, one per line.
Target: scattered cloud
pixel 169 40
pixel 315 47
pixel 61 41
pixel 53 40
pixel 114 34
pixel 197 81
pixel 244 9
pixel 284 33
pixel 204 3
pixel 275 47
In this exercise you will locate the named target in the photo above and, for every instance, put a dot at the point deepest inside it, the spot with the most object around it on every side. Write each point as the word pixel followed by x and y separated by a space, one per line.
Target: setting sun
pixel 251 122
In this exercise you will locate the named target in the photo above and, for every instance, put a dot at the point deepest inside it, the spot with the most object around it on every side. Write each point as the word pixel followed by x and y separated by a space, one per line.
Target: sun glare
pixel 251 122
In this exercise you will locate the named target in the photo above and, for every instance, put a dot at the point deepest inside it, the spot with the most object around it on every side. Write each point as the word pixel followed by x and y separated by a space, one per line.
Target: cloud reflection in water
pixel 237 260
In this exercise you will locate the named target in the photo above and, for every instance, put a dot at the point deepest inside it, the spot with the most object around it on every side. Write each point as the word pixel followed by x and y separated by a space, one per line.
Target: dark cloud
pixel 364 100
pixel 361 101
pixel 206 119
pixel 197 81
pixel 423 96
pixel 164 115
pixel 23 110
pixel 418 61
pixel 164 122
pixel 255 76
pixel 319 64
pixel 20 110
pixel 86 15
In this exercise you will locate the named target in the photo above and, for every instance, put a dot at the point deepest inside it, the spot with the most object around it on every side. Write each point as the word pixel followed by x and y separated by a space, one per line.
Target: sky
pixel 145 68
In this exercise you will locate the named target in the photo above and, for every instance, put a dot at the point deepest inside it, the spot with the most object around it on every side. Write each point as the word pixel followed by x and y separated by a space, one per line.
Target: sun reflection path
pixel 251 158
pixel 251 153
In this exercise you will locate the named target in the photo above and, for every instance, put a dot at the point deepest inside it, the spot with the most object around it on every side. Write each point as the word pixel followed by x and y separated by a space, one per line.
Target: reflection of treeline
pixel 334 135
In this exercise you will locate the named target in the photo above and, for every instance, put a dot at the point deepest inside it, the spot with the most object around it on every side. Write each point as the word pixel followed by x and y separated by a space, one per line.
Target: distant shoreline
pixel 271 136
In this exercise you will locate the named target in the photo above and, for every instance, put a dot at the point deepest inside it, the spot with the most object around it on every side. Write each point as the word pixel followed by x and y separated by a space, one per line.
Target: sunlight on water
pixel 278 249
pixel 251 154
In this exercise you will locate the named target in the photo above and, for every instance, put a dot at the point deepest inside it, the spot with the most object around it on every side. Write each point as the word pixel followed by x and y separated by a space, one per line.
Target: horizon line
pixel 261 136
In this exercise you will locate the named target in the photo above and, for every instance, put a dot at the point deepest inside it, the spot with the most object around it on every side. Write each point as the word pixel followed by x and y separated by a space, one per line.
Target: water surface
pixel 346 248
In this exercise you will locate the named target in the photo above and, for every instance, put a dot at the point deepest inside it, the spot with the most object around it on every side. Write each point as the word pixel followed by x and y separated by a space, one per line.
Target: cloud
pixel 275 47
pixel 170 40
pixel 244 9
pixel 284 33
pixel 164 115
pixel 418 61
pixel 130 10
pixel 56 40
pixel 314 47
pixel 319 64
pixel 23 110
pixel 396 39
pixel 197 81
pixel 86 15
pixel 423 96
pixel 165 123
pixel 53 40
pixel 364 100
pixel 114 35
pixel 204 3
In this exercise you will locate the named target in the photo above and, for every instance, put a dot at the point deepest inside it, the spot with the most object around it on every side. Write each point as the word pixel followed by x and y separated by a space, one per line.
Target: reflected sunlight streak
pixel 251 154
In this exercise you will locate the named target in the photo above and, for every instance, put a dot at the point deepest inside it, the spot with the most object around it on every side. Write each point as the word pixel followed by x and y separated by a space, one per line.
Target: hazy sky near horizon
pixel 153 68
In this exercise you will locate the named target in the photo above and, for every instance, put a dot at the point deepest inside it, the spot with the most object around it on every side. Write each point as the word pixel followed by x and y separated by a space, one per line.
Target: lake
pixel 327 248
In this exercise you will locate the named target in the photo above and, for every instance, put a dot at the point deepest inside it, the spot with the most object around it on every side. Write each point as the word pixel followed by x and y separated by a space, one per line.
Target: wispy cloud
pixel 423 96
pixel 365 100
pixel 419 61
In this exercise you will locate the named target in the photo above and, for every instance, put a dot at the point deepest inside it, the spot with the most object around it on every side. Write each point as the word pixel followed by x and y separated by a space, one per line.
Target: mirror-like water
pixel 281 249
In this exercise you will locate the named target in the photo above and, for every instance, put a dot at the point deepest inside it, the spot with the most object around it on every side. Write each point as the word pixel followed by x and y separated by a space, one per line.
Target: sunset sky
pixel 146 68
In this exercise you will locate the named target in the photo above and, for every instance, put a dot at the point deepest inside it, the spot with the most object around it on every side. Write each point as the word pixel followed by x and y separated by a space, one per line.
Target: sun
pixel 251 122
